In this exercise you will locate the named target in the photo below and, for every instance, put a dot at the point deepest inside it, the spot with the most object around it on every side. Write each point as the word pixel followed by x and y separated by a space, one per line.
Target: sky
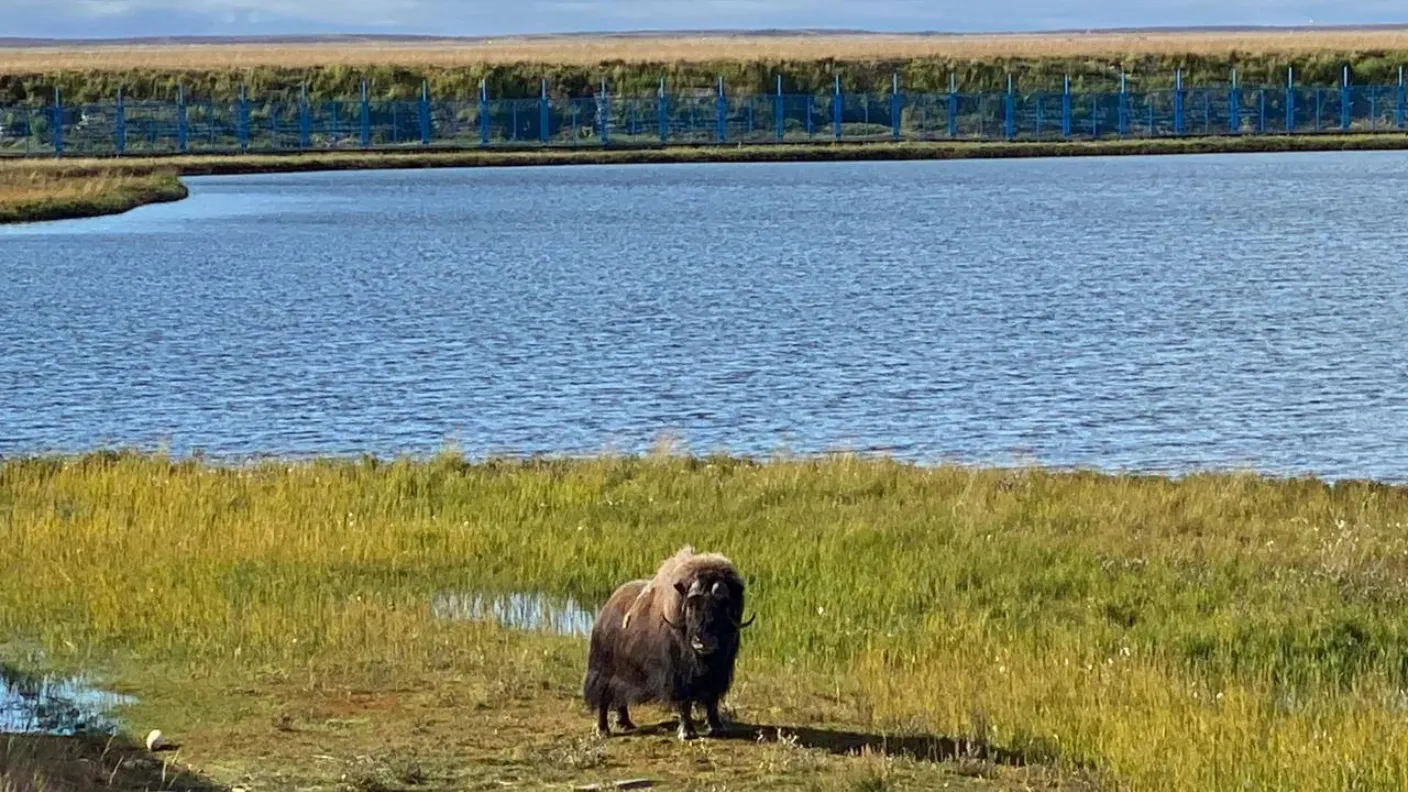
pixel 120 18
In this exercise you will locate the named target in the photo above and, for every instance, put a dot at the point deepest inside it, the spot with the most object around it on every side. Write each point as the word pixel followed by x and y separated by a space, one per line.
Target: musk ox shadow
pixel 841 742
pixel 671 640
pixel 90 761
pixel 919 747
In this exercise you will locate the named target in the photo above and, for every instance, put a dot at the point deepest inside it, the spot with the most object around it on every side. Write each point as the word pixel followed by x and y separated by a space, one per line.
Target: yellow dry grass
pixel 40 190
pixel 25 182
pixel 699 48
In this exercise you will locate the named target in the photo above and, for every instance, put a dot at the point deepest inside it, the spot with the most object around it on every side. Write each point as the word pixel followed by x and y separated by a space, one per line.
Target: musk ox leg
pixel 602 730
pixel 686 731
pixel 713 725
pixel 623 719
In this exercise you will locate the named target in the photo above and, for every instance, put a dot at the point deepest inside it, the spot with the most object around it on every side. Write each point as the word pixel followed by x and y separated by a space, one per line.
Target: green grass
pixel 1213 632
pixel 54 189
pixel 1098 70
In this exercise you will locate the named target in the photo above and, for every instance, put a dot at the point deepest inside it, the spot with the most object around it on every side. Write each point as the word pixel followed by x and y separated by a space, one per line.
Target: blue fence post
pixel 664 114
pixel 424 112
pixel 1066 109
pixel 1290 99
pixel 1401 112
pixel 895 106
pixel 1261 110
pixel 721 112
pixel 781 126
pixel 242 121
pixel 366 118
pixel 305 121
pixel 952 105
pixel 181 119
pixel 120 133
pixel 543 112
pixel 58 122
pixel 484 112
pixel 1124 105
pixel 603 113
pixel 1178 103
pixel 1346 102
pixel 1234 106
pixel 1009 111
pixel 836 108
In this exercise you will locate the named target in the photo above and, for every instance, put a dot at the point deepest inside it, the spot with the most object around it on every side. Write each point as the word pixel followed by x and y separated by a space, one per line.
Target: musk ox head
pixel 707 610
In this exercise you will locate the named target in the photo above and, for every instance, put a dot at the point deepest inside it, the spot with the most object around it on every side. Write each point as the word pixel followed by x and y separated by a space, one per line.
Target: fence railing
pixel 124 127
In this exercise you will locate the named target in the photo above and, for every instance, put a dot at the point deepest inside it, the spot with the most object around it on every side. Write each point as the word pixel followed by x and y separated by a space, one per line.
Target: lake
pixel 1146 313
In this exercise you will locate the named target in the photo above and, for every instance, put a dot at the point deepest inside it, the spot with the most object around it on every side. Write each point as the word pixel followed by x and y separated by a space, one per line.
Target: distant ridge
pixel 376 38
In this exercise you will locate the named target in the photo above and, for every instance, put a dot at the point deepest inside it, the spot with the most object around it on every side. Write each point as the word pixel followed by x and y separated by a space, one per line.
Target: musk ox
pixel 672 640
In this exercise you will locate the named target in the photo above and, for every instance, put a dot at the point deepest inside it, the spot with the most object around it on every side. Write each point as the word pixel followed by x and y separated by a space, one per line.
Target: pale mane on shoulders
pixel 660 591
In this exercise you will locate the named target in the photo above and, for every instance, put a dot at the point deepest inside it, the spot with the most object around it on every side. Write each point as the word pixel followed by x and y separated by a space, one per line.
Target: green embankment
pixel 31 192
pixel 919 75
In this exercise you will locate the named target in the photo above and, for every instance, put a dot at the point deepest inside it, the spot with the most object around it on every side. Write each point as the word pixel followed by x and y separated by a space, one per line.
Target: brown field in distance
pixel 579 50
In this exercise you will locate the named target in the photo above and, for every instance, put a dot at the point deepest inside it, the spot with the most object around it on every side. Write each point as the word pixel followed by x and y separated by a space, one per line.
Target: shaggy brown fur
pixel 671 639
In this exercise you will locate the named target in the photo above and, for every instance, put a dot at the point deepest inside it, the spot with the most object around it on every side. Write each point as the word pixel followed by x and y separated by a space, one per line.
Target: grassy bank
pixel 1214 632
pixel 747 64
pixel 32 189
pixel 39 191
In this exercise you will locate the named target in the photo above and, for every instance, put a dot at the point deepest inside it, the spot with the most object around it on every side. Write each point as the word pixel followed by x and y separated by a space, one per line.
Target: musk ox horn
pixel 741 624
pixel 718 589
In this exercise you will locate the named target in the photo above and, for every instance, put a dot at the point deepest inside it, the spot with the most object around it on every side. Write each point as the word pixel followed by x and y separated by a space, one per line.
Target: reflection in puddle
pixel 54 705
pixel 531 612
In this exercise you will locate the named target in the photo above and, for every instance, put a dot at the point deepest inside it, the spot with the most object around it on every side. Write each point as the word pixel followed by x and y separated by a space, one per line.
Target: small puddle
pixel 55 705
pixel 520 611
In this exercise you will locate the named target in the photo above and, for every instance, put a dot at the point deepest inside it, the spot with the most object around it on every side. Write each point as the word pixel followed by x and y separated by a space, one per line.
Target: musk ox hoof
pixel 686 734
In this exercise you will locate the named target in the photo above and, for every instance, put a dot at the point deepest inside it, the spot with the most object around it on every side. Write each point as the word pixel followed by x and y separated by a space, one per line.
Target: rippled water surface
pixel 1126 313
pixel 55 705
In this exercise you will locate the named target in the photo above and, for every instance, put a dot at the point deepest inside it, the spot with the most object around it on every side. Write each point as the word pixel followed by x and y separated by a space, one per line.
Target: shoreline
pixel 158 177
pixel 287 461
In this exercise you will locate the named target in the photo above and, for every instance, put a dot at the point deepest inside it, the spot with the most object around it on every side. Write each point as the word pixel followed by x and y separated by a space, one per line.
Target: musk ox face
pixel 711 612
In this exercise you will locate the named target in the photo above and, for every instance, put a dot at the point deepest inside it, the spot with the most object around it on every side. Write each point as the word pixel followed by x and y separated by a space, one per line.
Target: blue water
pixel 1156 314
pixel 55 705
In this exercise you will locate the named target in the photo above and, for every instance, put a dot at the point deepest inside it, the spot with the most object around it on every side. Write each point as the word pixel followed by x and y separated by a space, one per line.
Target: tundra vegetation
pixel 1001 628
pixel 32 191
pixel 575 66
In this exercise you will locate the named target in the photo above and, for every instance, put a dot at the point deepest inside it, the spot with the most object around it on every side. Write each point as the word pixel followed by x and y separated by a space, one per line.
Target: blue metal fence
pixel 188 125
